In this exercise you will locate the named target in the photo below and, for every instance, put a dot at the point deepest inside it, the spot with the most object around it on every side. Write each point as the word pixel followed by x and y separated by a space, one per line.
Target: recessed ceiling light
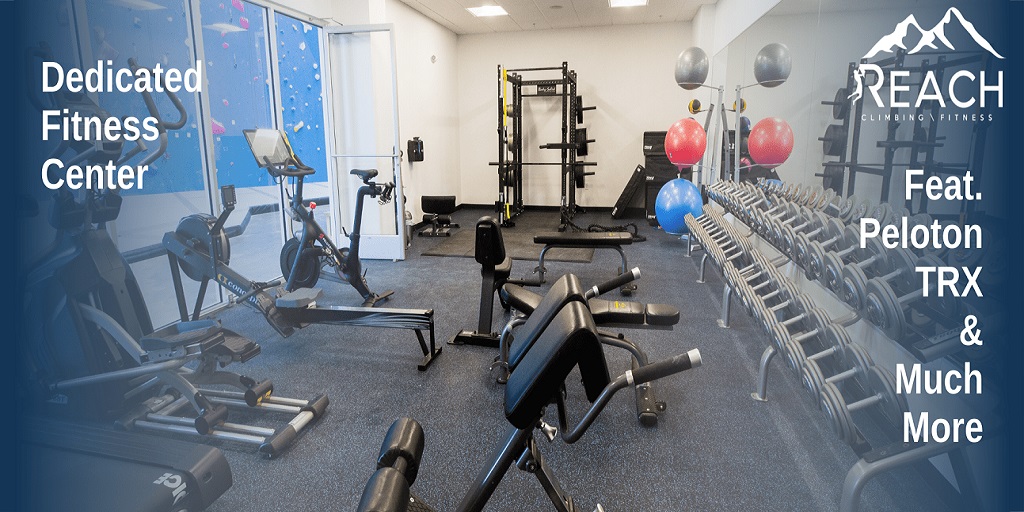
pixel 487 10
pixel 626 3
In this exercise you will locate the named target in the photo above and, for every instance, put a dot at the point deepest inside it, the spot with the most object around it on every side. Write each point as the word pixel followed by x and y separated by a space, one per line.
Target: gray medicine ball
pixel 773 65
pixel 692 68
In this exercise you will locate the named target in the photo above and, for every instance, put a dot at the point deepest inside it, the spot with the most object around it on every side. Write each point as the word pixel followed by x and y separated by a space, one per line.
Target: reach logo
pixel 896 78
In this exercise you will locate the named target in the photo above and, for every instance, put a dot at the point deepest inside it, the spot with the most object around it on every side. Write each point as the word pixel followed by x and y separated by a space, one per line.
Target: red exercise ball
pixel 770 142
pixel 685 142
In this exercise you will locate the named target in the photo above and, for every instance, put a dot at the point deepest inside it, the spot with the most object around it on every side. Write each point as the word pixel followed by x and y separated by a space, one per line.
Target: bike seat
pixel 364 174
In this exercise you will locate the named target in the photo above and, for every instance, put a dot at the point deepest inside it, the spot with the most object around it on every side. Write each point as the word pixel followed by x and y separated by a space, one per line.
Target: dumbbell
pixel 863 209
pixel 698 225
pixel 714 229
pixel 717 230
pixel 729 250
pixel 898 266
pixel 803 310
pixel 776 226
pixel 814 196
pixel 750 293
pixel 832 277
pixel 744 277
pixel 887 310
pixel 832 230
pixel 835 338
pixel 836 206
pixel 826 200
pixel 814 260
pixel 882 394
pixel 816 321
pixel 872 255
pixel 852 357
pixel 814 223
pixel 790 300
pixel 752 299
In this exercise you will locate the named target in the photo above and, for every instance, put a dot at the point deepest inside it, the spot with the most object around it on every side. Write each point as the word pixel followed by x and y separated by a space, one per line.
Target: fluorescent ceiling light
pixel 488 10
pixel 626 3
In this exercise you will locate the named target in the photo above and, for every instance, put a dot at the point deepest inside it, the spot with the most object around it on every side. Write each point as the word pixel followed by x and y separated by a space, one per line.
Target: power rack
pixel 510 164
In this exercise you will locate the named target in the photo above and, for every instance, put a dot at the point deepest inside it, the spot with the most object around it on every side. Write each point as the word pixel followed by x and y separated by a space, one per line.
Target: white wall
pixel 626 71
pixel 427 103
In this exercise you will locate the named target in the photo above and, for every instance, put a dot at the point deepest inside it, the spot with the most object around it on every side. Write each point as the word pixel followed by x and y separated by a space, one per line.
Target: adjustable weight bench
pixel 605 313
pixel 584 240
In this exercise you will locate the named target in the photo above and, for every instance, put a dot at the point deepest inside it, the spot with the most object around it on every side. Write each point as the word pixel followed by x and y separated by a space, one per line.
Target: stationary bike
pixel 304 255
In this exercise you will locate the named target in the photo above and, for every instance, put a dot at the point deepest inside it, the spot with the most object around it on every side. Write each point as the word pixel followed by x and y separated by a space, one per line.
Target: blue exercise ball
pixel 677 198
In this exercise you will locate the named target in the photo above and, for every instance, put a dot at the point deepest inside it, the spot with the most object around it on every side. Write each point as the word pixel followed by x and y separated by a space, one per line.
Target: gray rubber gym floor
pixel 713 449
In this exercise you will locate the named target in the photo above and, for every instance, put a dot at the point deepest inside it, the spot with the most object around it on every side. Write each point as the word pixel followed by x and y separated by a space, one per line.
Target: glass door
pixel 364 114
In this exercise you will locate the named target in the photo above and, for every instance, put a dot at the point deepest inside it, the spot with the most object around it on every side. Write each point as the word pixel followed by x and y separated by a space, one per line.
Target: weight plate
pixel 856 358
pixel 902 261
pixel 892 405
pixel 846 209
pixel 831 275
pixel 834 407
pixel 828 198
pixel 853 287
pixel 833 143
pixel 836 336
pixel 811 378
pixel 815 260
pixel 841 104
pixel 884 310
pixel 860 211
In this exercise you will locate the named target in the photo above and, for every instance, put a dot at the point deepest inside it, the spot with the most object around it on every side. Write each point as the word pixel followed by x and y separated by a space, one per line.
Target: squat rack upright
pixel 573 144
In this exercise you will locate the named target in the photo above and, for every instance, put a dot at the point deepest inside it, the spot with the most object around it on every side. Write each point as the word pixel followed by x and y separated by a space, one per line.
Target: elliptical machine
pixel 304 256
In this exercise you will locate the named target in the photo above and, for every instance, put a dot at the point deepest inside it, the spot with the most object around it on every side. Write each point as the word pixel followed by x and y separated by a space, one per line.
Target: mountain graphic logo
pixel 897 39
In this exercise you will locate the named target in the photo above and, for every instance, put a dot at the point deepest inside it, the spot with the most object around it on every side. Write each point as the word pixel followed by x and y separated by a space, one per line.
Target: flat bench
pixel 585 240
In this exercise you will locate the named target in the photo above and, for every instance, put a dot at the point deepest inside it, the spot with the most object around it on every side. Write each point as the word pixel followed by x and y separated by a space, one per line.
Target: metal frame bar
pixel 395 156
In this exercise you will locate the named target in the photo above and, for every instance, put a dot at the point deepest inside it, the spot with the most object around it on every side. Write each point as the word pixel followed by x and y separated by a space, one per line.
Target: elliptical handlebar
pixel 646 373
pixel 162 126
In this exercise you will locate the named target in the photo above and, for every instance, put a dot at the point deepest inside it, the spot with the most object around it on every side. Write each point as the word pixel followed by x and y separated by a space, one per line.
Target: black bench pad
pixel 604 311
pixel 566 289
pixel 587 239
pixel 569 340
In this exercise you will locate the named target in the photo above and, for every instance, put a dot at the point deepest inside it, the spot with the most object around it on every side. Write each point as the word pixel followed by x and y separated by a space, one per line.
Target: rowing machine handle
pixel 623 279
pixel 676 364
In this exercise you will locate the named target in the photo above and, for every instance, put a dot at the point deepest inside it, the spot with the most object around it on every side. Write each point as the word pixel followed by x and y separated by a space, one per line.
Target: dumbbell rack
pixel 738 261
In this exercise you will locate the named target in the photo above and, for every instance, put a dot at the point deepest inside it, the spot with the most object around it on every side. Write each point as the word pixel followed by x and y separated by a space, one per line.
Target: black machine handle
pixel 666 367
pixel 620 280
pixel 151 105
pixel 162 126
pixel 643 374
